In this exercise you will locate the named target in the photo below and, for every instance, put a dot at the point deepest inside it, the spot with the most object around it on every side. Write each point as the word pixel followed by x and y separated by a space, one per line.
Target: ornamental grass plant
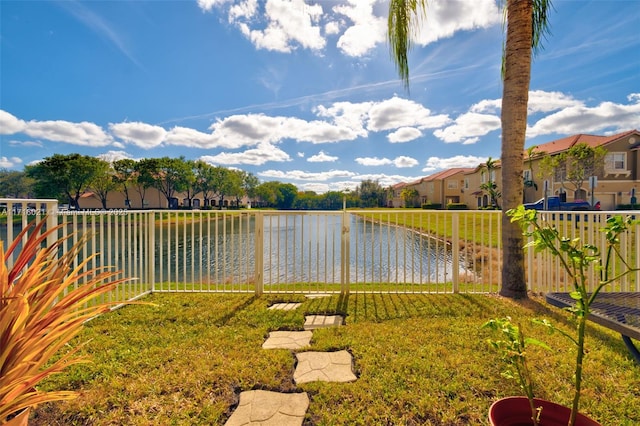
pixel 46 295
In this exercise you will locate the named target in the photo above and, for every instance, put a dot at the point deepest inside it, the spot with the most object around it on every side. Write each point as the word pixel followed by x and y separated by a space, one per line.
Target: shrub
pixel 628 207
pixel 432 206
pixel 44 301
pixel 457 206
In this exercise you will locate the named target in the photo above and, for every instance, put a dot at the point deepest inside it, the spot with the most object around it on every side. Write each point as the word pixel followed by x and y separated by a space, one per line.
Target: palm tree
pixel 527 24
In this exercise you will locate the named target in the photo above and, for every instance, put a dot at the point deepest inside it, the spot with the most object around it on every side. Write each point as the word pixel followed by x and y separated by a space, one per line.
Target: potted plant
pixel 575 257
pixel 45 297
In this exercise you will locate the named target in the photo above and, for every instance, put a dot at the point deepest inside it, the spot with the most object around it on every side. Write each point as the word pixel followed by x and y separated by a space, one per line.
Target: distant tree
pixel 266 193
pixel 144 177
pixel 190 186
pixel 204 174
pixel 103 183
pixel 286 196
pixel 65 176
pixel 221 184
pixel 172 175
pixel 306 200
pixel 124 176
pixel 410 197
pixel 15 184
pixel 235 186
pixel 371 194
pixel 249 183
pixel 582 162
pixel 574 166
pixel 332 200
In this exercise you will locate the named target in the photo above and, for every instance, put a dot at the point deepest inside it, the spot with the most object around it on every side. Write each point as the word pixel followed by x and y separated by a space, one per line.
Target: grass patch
pixel 420 359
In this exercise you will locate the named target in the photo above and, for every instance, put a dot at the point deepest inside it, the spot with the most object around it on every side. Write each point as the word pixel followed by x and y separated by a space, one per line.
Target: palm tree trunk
pixel 517 74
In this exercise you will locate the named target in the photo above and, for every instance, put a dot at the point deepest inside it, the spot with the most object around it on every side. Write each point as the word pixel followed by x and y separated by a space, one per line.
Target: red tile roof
pixel 564 144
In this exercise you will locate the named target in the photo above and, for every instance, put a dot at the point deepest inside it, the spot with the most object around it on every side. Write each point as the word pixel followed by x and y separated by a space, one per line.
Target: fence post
pixel 455 251
pixel 345 254
pixel 52 220
pixel 259 253
pixel 151 249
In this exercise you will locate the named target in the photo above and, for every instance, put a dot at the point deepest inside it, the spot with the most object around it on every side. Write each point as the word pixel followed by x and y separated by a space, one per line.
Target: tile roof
pixel 448 173
pixel 560 145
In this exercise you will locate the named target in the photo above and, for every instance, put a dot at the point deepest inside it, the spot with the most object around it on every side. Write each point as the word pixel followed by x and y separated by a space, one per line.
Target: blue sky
pixel 300 92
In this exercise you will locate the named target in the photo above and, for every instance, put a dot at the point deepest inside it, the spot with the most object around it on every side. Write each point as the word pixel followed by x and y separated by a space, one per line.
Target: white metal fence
pixel 257 251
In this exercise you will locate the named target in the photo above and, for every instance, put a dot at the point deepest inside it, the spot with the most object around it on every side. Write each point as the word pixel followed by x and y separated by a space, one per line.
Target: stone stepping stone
pixel 287 340
pixel 266 408
pixel 316 295
pixel 311 322
pixel 285 306
pixel 324 367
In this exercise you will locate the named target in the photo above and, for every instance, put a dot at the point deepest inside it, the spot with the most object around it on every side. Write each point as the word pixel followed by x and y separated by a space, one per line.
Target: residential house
pixel 445 187
pixel 473 180
pixel 616 183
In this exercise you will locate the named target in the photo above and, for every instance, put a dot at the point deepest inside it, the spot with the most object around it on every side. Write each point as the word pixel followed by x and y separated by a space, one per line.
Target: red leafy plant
pixel 46 295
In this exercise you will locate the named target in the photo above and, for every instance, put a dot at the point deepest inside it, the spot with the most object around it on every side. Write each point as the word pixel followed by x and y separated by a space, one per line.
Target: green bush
pixel 432 206
pixel 457 206
pixel 628 207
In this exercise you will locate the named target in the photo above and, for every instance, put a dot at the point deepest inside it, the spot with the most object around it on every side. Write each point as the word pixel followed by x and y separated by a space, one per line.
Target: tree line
pixel 68 177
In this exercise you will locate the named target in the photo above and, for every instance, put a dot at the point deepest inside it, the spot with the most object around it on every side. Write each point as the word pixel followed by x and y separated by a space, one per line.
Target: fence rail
pixel 409 251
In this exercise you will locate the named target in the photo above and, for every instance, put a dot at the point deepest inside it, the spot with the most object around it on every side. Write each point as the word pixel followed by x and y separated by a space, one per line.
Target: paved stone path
pixel 324 367
pixel 267 408
pixel 285 306
pixel 312 322
pixel 287 340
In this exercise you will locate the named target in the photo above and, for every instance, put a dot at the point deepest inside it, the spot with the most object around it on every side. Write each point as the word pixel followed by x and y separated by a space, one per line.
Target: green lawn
pixel 420 359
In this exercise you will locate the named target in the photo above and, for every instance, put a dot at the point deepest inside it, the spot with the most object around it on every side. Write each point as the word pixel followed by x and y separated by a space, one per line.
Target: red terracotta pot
pixel 515 411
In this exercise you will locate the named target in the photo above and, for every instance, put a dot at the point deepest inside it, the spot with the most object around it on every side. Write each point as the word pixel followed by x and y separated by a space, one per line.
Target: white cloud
pixel 367 30
pixel 468 127
pixel 7 163
pixel 111 156
pixel 404 162
pixel 332 27
pixel 541 101
pixel 373 161
pixel 445 17
pixel 399 112
pixel 435 163
pixel 26 144
pixel 404 134
pixel 263 153
pixel 207 5
pixel 400 162
pixel 10 124
pixel 184 136
pixel 583 119
pixel 290 23
pixel 140 134
pixel 306 176
pixel 322 157
pixel 84 133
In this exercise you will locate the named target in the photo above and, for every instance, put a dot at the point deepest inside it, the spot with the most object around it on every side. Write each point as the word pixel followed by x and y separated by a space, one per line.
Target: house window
pixel 527 175
pixel 493 176
pixel 483 177
pixel 452 184
pixel 616 161
pixel 466 183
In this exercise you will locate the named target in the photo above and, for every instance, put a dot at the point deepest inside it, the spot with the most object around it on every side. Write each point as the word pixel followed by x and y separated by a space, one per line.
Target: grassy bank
pixel 420 359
